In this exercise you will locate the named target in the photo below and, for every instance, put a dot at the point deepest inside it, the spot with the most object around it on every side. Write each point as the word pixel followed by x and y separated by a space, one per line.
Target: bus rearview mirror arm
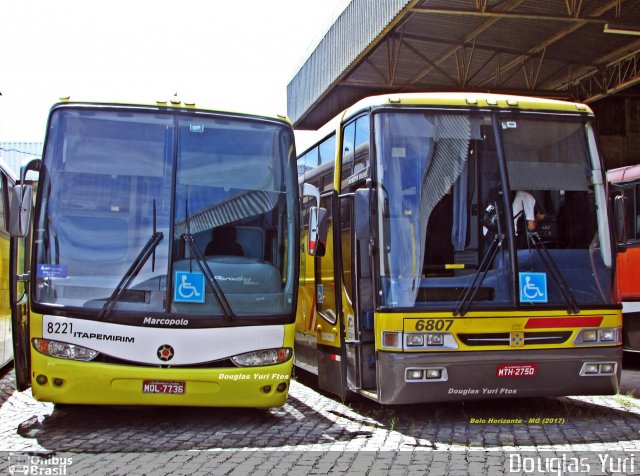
pixel 619 205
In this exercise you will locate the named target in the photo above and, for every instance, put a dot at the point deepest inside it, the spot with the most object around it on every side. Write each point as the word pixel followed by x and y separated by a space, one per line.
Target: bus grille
pixel 504 338
pixel 217 364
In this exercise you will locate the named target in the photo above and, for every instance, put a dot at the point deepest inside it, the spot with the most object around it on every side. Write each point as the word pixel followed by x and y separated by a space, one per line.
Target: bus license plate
pixel 516 370
pixel 158 386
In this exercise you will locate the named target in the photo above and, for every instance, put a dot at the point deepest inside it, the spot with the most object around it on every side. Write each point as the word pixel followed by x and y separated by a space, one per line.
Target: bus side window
pixel 355 153
pixel 361 159
pixel 327 150
pixel 308 161
pixel 631 214
pixel 348 140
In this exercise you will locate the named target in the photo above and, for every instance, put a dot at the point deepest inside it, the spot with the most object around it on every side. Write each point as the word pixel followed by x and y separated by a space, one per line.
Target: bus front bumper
pixel 73 382
pixel 497 374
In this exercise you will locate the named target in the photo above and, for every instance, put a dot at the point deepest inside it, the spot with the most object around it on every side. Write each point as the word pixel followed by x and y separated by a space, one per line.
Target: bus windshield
pixel 123 189
pixel 488 211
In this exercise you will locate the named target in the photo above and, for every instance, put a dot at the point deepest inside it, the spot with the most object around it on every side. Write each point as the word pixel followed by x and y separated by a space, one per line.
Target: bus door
pixel 329 322
pixel 357 303
pixel 18 300
pixel 20 231
pixel 357 293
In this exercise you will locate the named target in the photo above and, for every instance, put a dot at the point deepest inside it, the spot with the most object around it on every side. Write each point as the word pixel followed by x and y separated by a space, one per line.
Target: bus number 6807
pixel 434 324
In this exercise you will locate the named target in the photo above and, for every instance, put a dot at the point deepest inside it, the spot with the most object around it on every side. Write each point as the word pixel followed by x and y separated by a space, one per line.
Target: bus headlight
pixel 62 350
pixel 262 357
pixel 425 341
pixel 435 339
pixel 414 340
pixel 428 374
pixel 598 369
pixel 607 368
pixel 590 369
pixel 598 336
pixel 418 340
pixel 432 374
pixel 415 374
pixel 606 335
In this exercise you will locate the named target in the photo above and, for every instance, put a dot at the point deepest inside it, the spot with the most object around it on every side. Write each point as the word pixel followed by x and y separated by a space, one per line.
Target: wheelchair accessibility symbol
pixel 533 287
pixel 188 287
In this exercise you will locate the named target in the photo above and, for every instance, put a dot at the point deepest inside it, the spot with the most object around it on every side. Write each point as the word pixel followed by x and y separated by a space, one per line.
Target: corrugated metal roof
pixel 534 47
pixel 348 37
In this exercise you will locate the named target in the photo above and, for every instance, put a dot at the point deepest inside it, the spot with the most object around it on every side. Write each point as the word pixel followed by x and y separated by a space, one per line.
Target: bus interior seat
pixel 224 242
pixel 249 238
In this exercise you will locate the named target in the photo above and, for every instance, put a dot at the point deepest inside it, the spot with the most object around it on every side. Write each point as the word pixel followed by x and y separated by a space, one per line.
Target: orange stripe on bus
pixel 312 316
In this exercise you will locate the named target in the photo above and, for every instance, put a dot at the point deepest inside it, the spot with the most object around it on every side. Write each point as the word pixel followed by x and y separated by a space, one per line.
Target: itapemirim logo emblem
pixel 165 352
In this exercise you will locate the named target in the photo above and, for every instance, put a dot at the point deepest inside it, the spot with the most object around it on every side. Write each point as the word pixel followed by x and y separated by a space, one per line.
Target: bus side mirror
pixel 318 229
pixel 619 203
pixel 361 212
pixel 20 211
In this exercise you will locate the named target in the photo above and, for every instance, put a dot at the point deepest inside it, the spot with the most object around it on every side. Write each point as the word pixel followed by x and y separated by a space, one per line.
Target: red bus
pixel 626 181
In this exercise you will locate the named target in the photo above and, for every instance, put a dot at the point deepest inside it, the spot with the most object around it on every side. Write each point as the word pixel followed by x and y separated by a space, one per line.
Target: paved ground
pixel 315 434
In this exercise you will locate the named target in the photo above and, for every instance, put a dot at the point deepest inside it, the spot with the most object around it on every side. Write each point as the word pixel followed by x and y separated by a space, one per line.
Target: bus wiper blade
pixel 133 271
pixel 471 291
pixel 210 278
pixel 149 249
pixel 556 274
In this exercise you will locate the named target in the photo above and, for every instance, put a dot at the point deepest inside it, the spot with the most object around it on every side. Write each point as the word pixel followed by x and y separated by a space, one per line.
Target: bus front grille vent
pixel 504 338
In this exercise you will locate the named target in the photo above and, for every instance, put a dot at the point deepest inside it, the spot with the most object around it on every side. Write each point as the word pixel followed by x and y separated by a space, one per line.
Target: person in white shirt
pixel 524 204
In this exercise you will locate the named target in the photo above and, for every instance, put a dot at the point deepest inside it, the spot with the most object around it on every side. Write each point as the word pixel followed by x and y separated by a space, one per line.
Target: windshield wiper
pixel 487 261
pixel 147 251
pixel 555 272
pixel 210 278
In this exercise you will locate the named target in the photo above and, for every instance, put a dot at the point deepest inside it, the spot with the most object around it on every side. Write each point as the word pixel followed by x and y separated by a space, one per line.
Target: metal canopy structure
pixel 581 50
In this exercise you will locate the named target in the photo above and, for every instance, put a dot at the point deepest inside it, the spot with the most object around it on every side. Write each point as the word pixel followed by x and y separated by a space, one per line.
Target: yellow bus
pixel 457 247
pixel 163 265
pixel 7 181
